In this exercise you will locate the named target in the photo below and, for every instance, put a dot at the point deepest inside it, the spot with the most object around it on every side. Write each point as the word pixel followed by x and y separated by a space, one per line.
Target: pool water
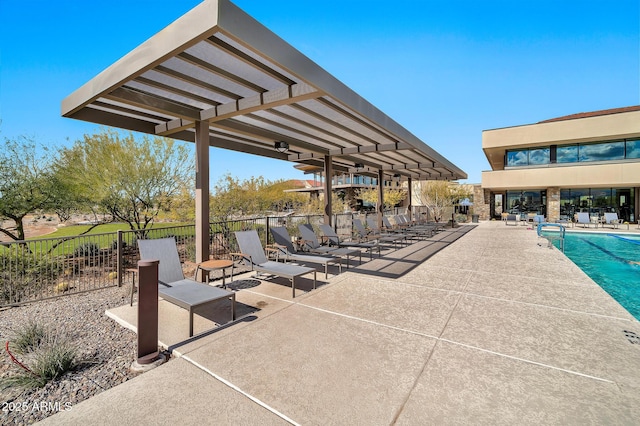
pixel 612 261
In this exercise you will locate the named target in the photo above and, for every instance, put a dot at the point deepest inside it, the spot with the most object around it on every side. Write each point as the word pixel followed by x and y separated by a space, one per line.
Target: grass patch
pixel 44 355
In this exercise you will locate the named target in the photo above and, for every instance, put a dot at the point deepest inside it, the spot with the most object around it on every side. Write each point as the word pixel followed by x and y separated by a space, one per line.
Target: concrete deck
pixel 494 328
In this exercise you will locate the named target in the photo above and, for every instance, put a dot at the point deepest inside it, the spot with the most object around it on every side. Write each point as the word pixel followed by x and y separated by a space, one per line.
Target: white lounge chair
pixel 173 286
pixel 252 255
pixel 582 218
pixel 611 219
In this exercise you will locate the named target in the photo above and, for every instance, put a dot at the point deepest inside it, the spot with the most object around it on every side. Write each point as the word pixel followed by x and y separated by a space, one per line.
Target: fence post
pixel 120 258
pixel 266 233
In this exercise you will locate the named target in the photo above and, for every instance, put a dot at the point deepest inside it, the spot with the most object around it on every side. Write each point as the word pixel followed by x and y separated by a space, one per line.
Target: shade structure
pixel 218 65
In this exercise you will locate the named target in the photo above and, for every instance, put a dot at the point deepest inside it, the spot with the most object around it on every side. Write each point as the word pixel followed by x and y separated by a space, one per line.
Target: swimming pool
pixel 612 261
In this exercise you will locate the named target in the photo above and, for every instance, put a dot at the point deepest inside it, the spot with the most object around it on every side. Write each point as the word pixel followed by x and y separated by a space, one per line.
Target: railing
pixel 45 268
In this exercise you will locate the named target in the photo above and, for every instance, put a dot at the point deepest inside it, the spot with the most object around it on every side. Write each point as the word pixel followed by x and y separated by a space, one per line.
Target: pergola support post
pixel 380 198
pixel 328 177
pixel 202 191
pixel 410 197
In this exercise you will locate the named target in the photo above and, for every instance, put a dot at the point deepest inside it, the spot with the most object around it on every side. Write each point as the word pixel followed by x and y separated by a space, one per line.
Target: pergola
pixel 219 78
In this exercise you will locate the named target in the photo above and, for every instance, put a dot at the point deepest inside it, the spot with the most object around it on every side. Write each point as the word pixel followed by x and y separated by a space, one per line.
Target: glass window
pixel 567 154
pixel 517 158
pixel 601 151
pixel 633 149
pixel 539 155
pixel 525 202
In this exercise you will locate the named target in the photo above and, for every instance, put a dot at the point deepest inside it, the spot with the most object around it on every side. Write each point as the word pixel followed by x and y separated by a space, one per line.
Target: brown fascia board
pixel 593 114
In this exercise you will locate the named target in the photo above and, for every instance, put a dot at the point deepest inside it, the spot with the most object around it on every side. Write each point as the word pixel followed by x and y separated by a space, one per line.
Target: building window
pixel 601 151
pixel 518 158
pixel 597 202
pixel 526 202
pixel 539 156
pixel 567 154
pixel 632 149
pixel 575 153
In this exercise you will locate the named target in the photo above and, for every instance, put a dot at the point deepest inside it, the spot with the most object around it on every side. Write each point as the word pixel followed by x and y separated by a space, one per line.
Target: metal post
pixel 120 258
pixel 147 311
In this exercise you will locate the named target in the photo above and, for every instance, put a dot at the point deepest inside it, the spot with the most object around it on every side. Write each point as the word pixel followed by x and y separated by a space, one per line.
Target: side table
pixel 215 265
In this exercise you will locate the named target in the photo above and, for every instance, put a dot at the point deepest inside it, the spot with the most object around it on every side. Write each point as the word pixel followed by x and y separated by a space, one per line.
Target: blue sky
pixel 445 70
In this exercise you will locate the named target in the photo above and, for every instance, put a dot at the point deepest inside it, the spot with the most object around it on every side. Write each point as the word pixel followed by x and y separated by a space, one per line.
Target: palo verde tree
pixel 234 197
pixel 391 196
pixel 131 179
pixel 27 183
pixel 439 195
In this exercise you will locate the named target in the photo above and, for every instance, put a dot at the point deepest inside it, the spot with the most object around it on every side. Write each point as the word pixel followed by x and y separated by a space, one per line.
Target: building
pixel 586 162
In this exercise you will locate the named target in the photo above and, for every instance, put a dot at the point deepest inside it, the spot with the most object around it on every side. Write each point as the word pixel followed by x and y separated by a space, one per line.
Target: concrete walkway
pixel 495 328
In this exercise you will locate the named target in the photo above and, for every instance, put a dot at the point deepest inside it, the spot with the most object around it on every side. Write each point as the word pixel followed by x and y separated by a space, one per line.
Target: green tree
pixel 439 195
pixel 27 183
pixel 255 195
pixel 131 180
pixel 391 196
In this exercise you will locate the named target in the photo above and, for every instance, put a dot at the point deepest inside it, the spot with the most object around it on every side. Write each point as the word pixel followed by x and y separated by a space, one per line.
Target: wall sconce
pixel 281 146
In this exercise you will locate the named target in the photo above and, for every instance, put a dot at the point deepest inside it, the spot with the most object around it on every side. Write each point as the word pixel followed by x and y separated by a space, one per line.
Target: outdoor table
pixel 215 265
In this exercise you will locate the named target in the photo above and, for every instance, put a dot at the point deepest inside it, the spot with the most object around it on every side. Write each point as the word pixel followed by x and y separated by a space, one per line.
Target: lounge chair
pixel 403 224
pixel 287 251
pixel 312 244
pixel 582 218
pixel 173 286
pixel 537 219
pixel 397 229
pixel 252 255
pixel 334 240
pixel 427 226
pixel 611 219
pixel 363 234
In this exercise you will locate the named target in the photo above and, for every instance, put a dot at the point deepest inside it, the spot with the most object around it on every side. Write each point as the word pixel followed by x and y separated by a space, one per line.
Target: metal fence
pixel 44 268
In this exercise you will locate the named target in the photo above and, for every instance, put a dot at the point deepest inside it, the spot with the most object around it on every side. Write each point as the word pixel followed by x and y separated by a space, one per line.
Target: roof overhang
pixel 219 65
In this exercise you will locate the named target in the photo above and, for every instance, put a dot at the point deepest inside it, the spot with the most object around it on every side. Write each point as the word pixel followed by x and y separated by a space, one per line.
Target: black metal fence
pixel 44 268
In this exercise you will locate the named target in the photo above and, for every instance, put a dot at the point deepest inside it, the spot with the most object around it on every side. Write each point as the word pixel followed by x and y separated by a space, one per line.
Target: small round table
pixel 215 265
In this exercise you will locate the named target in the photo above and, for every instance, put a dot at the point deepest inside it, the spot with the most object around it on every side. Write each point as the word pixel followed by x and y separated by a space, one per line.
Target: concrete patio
pixel 478 325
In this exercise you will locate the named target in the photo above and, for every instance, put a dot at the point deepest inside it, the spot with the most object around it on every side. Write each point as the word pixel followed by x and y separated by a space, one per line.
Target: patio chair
pixel 512 219
pixel 287 251
pixel 310 241
pixel 173 286
pixel 252 255
pixel 611 219
pixel 397 229
pixel 334 240
pixel 362 233
pixel 402 222
pixel 433 227
pixel 582 218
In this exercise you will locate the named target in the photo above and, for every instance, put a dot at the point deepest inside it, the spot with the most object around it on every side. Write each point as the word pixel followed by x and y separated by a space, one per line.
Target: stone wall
pixel 481 206
pixel 553 204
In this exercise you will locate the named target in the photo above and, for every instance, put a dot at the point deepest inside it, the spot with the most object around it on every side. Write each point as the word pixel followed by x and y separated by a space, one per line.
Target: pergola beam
pixel 154 103
pixel 269 99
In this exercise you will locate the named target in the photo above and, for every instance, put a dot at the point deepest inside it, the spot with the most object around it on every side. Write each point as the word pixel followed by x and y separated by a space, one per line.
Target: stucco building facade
pixel 581 162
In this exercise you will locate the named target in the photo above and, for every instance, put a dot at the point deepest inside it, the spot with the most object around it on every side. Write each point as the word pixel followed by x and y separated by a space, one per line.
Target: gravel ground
pixel 106 351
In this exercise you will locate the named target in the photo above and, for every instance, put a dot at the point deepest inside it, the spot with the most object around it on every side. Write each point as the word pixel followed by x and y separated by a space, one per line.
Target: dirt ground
pixel 32 227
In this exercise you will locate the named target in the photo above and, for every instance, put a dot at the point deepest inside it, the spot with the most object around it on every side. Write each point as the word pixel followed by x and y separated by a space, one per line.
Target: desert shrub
pixel 461 218
pixel 44 355
pixel 23 273
pixel 88 249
